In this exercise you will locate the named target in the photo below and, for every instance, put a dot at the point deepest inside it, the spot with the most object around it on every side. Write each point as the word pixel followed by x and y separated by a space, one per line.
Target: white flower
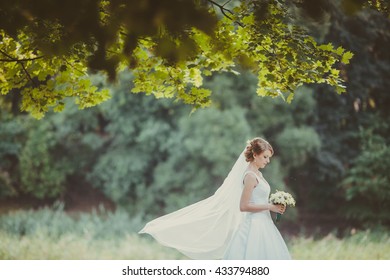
pixel 281 197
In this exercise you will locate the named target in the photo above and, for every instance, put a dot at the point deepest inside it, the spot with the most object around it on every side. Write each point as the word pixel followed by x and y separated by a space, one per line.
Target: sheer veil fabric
pixel 204 230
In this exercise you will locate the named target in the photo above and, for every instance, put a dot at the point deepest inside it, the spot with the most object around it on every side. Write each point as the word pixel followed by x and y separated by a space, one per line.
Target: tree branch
pixel 74 67
pixel 28 74
pixel 224 11
pixel 19 61
pixel 11 59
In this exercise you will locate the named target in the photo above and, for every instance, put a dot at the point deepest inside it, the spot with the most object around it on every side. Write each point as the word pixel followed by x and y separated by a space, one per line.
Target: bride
pixel 235 222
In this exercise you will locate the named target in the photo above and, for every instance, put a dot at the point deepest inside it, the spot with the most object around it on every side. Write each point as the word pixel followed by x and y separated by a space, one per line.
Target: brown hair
pixel 256 146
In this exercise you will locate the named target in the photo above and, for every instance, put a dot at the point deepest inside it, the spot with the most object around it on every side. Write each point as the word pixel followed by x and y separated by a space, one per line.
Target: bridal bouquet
pixel 281 197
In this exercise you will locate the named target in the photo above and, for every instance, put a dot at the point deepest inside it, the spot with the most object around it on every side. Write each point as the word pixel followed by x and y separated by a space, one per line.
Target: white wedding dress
pixel 257 237
pixel 205 230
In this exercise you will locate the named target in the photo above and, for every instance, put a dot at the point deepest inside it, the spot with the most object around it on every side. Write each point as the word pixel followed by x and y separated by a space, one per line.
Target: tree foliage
pixel 153 156
pixel 353 128
pixel 367 182
pixel 12 135
pixel 149 156
pixel 49 48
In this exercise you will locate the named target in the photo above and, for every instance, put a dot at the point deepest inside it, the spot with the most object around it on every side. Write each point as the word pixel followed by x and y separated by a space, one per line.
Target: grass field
pixel 133 247
pixel 48 234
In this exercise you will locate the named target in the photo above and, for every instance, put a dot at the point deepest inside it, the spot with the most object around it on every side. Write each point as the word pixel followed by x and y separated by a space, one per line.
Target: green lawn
pixel 360 246
pixel 72 247
pixel 131 247
pixel 52 234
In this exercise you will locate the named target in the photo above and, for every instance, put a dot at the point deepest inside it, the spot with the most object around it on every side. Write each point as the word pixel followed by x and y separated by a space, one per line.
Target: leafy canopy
pixel 48 49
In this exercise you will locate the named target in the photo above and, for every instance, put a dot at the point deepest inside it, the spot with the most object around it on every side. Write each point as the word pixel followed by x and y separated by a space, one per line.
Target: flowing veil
pixel 204 229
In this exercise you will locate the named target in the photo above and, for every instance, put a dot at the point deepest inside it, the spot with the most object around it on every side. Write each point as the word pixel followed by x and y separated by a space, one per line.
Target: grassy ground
pixel 72 247
pixel 49 234
pixel 131 247
pixel 359 246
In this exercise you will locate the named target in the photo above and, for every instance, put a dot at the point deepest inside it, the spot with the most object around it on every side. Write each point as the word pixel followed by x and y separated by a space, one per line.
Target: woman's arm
pixel 250 183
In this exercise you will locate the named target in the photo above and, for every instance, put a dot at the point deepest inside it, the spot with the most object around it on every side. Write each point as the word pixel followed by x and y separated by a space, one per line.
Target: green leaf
pixel 290 98
pixel 346 57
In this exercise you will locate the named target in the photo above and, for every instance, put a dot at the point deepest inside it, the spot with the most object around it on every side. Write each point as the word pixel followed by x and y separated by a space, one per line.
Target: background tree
pixel 49 48
pixel 153 156
pixel 353 129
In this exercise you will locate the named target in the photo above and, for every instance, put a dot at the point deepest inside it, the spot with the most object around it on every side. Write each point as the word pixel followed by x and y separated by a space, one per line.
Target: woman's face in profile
pixel 263 159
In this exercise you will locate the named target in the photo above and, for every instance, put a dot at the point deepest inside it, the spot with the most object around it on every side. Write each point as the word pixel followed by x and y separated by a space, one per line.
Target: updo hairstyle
pixel 255 147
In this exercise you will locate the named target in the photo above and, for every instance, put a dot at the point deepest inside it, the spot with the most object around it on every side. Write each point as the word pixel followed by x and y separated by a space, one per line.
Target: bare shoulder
pixel 250 180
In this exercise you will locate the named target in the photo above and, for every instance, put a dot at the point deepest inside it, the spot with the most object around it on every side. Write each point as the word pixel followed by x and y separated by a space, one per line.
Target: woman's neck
pixel 253 168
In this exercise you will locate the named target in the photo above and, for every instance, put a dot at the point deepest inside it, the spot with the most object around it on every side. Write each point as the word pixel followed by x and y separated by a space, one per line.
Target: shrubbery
pixel 55 222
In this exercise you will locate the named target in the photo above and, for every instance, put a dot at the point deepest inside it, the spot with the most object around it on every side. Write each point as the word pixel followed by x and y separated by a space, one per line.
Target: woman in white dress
pixel 235 222
pixel 257 236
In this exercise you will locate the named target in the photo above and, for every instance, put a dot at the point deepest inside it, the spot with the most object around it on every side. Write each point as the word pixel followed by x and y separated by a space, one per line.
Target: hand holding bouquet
pixel 283 198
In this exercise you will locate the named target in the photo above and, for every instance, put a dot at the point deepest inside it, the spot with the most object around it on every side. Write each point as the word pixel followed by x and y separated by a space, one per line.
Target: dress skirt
pixel 257 238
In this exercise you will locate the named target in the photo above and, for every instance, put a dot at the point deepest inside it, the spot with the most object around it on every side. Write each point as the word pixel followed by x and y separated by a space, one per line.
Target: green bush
pixel 42 173
pixel 367 183
pixel 297 144
pixel 12 135
pixel 55 223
